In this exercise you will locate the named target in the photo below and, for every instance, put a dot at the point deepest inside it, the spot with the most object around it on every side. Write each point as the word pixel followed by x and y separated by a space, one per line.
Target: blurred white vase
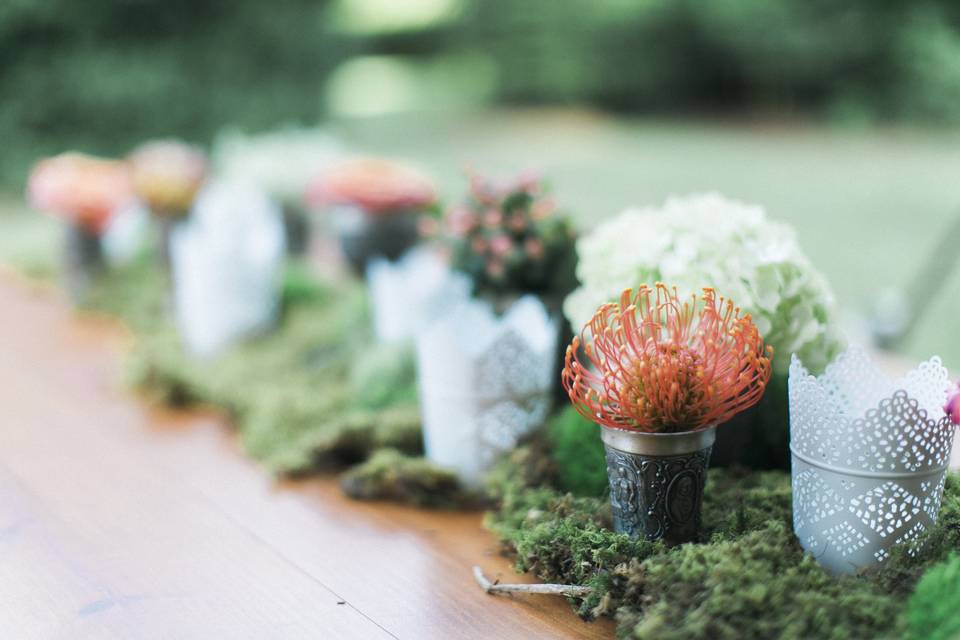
pixel 227 259
pixel 407 294
pixel 125 236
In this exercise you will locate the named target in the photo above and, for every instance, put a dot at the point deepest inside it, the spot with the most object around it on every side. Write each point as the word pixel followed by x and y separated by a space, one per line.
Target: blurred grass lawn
pixel 868 205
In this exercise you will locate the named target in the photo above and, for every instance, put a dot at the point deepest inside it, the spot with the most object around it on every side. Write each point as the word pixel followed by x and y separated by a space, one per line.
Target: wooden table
pixel 118 521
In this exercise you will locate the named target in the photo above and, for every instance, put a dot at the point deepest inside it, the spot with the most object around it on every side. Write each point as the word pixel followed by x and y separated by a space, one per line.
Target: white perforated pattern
pixel 869 458
pixel 485 382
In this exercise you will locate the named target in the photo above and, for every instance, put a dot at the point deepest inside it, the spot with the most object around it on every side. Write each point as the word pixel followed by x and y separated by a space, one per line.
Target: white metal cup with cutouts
pixel 869 458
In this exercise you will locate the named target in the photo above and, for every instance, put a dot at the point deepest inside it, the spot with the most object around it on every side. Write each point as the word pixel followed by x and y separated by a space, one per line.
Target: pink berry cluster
pixel 510 239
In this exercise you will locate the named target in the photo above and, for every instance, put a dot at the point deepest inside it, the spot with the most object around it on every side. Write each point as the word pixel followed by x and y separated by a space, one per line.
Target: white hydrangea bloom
pixel 708 240
pixel 281 162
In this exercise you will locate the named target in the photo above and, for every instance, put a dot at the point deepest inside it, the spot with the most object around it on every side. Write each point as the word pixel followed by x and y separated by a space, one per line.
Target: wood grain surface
pixel 121 521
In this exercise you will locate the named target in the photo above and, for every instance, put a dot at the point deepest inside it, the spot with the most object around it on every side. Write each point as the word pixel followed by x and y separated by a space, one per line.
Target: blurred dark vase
pixel 166 223
pixel 554 304
pixel 758 438
pixel 364 235
pixel 82 261
pixel 296 229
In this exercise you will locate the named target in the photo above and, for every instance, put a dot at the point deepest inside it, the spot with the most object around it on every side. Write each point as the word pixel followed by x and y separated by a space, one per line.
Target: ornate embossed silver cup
pixel 657 481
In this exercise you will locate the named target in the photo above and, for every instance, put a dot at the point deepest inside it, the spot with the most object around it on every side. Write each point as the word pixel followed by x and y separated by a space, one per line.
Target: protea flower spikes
pixel 656 363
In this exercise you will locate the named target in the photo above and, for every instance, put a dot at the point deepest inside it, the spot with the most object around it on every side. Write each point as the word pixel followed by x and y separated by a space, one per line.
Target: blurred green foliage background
pixel 103 74
pixel 839 117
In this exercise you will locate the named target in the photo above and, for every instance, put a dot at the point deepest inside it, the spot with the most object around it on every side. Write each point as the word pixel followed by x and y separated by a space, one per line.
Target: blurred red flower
pixel 80 188
pixel 375 185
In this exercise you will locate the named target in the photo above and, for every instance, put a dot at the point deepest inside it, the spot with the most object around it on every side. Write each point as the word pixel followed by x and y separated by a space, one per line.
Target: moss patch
pixel 934 609
pixel 746 578
pixel 315 392
pixel 578 452
pixel 759 585
pixel 389 474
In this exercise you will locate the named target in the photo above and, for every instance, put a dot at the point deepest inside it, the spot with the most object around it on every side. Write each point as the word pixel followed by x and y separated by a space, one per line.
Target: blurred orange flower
pixel 167 175
pixel 656 363
pixel 373 184
pixel 80 188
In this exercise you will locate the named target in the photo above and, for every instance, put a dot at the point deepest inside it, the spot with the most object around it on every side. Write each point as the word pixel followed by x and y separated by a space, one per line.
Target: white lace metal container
pixel 870 457
pixel 226 264
pixel 408 293
pixel 485 381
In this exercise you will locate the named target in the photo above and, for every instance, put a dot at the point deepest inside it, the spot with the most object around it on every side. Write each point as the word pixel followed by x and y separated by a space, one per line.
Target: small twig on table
pixel 571 590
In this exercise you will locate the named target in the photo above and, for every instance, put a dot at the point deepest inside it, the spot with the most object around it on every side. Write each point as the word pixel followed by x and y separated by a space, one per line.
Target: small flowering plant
pixel 167 174
pixel 658 372
pixel 374 185
pixel 656 363
pixel 82 189
pixel 509 239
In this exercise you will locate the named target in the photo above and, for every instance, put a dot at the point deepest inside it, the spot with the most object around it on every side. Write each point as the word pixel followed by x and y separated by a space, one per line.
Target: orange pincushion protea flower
pixel 659 364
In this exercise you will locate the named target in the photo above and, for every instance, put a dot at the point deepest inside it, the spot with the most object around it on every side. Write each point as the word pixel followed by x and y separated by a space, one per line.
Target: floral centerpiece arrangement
pixel 510 241
pixel 376 205
pixel 86 192
pixel 167 174
pixel 488 363
pixel 710 240
pixel 659 373
pixel 282 162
